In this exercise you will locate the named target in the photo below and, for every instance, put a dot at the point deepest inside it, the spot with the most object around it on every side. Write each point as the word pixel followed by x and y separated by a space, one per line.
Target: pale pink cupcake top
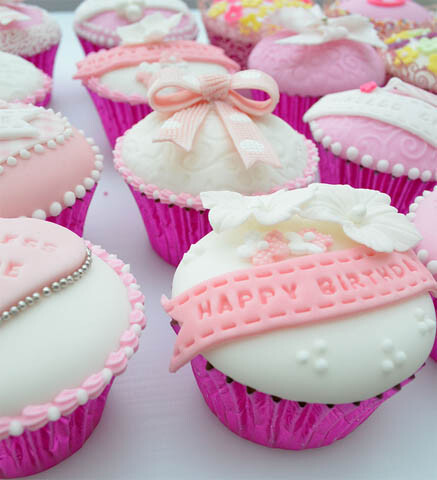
pixel 391 129
pixel 387 15
pixel 66 340
pixel 98 20
pixel 26 30
pixel 45 163
pixel 423 213
pixel 326 55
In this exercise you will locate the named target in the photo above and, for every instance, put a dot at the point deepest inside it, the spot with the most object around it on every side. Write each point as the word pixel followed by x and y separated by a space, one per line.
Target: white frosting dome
pixel 213 163
pixel 18 78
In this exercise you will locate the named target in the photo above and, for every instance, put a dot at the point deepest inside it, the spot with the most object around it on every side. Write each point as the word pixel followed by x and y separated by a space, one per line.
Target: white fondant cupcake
pixel 205 136
pixel 302 312
pixel 21 81
pixel 66 340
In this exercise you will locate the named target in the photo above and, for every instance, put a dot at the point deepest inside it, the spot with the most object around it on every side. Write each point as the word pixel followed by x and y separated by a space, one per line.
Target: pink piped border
pixel 186 200
pixel 35 417
pixel 40 96
pixel 102 90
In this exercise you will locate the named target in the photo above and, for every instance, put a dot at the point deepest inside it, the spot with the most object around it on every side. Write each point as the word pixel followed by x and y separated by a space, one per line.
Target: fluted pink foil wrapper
pixel 291 108
pixel 171 229
pixel 433 353
pixel 278 423
pixel 34 452
pixel 45 61
pixel 74 217
pixel 87 46
pixel 118 117
pixel 402 190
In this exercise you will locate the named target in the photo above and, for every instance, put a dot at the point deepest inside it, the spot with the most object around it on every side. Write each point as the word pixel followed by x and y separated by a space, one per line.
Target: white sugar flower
pixel 152 28
pixel 230 209
pixel 252 245
pixel 303 244
pixel 365 215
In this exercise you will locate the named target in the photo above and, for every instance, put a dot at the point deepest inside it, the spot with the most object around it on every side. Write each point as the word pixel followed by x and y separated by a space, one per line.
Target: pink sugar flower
pixel 234 14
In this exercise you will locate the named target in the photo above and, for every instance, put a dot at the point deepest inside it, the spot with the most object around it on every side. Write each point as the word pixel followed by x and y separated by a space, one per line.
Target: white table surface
pixel 156 424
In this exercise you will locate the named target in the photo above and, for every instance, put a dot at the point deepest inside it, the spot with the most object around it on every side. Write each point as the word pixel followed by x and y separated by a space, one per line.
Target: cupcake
pixel 379 138
pixel 96 21
pixel 206 135
pixel 327 55
pixel 238 25
pixel 412 57
pixel 302 312
pixel 21 81
pixel 118 79
pixel 423 214
pixel 388 16
pixel 66 340
pixel 29 32
pixel 48 169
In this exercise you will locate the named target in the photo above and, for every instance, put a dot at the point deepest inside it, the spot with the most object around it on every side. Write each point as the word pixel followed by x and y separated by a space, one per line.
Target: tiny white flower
pixel 365 215
pixel 252 245
pixel 302 244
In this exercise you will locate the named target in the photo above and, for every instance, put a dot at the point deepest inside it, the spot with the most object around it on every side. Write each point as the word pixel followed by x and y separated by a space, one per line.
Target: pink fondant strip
pixel 294 292
pixel 195 96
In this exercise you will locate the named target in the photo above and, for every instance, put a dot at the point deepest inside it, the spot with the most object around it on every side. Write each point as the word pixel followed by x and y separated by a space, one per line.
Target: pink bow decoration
pixel 194 98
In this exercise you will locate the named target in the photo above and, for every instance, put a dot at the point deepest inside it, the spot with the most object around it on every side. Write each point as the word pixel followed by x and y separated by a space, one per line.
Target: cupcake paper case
pixel 48 169
pixel 20 81
pixel 379 138
pixel 66 340
pixel 388 16
pixel 117 79
pixel 29 32
pixel 316 56
pixel 302 312
pixel 207 136
pixel 96 21
pixel 412 57
pixel 238 25
pixel 423 214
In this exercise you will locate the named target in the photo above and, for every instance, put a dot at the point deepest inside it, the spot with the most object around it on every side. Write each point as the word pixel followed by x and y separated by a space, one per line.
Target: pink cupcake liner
pixel 433 353
pixel 36 451
pixel 291 108
pixel 118 117
pixel 171 229
pixel 87 46
pixel 402 190
pixel 74 217
pixel 277 423
pixel 45 61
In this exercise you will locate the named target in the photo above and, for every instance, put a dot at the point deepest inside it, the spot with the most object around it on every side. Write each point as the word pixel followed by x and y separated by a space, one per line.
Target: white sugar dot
pixel 171 124
pixel 252 146
pixel 80 191
pixel 95 174
pixel 321 346
pixel 326 141
pixel 16 428
pixel 413 173
pixel 239 118
pixel 55 209
pixel 25 154
pixel 400 357
pixel 419 313
pixel 98 164
pixel 82 396
pixel 387 345
pixel 387 366
pixel 366 160
pixel 318 134
pixel 107 375
pixel 250 74
pixel 321 365
pixel 129 351
pixel 53 414
pixel 426 176
pixel 69 199
pixel 422 254
pixel 39 214
pixel 430 323
pixel 39 148
pixel 303 356
pixel 88 183
pixel 423 327
pixel 382 166
pixel 336 148
pixel 51 144
pixel 398 170
pixel 352 153
pixel 11 161
pixel 432 267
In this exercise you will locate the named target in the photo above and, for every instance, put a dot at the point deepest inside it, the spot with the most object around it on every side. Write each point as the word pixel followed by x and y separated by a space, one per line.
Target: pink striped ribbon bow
pixel 195 96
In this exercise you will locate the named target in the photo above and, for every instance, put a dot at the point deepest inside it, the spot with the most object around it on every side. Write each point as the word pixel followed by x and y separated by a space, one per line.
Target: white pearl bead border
pixel 367 161
pixel 423 254
pixel 46 291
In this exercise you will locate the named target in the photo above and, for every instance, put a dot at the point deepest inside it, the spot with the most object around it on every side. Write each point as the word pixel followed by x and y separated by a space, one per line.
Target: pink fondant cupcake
pixel 379 138
pixel 205 135
pixel 423 214
pixel 412 57
pixel 302 312
pixel 238 25
pixel 48 169
pixel 117 79
pixel 388 16
pixel 66 340
pixel 21 81
pixel 29 32
pixel 96 21
pixel 326 56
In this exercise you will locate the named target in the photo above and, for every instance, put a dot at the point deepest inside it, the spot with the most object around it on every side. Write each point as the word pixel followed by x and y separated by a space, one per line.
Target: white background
pixel 156 425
